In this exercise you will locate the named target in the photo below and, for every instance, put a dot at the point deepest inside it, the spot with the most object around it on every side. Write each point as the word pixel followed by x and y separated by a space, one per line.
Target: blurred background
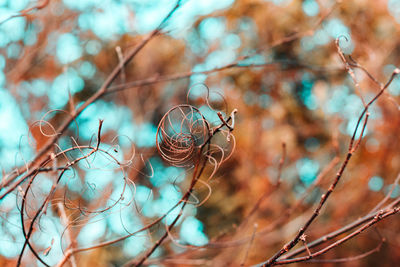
pixel 275 61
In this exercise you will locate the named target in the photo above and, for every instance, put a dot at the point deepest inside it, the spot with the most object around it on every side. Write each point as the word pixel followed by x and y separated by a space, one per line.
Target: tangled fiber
pixel 181 133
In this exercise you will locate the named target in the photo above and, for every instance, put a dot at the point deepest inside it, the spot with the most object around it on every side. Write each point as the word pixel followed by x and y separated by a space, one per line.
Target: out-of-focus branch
pixel 75 113
pixel 40 5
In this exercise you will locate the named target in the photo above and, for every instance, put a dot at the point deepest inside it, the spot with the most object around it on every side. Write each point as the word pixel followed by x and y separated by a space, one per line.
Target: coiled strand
pixel 180 134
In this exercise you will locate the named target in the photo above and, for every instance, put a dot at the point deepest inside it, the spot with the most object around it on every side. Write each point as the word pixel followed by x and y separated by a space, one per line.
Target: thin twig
pixel 380 216
pixel 250 243
pixel 64 126
pixel 65 221
pixel 288 246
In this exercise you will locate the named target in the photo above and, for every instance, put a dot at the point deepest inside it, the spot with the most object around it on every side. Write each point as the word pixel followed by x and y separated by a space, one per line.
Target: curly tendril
pixel 181 133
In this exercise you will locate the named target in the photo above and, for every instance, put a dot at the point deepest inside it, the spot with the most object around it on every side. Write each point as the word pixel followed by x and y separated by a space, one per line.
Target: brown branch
pixel 23 13
pixel 380 216
pixel 280 167
pixel 106 88
pixel 388 195
pixel 349 69
pixel 249 246
pixel 353 258
pixel 288 246
pixel 65 221
pixel 342 230
pixel 279 65
pixel 42 208
pixel 303 239
pixel 188 193
pixel 74 114
pixel 196 176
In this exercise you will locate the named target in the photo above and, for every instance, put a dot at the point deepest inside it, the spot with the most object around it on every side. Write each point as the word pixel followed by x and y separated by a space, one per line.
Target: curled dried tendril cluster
pixel 181 133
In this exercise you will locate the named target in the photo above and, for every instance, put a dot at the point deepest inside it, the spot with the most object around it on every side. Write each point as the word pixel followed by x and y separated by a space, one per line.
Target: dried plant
pixel 249 189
